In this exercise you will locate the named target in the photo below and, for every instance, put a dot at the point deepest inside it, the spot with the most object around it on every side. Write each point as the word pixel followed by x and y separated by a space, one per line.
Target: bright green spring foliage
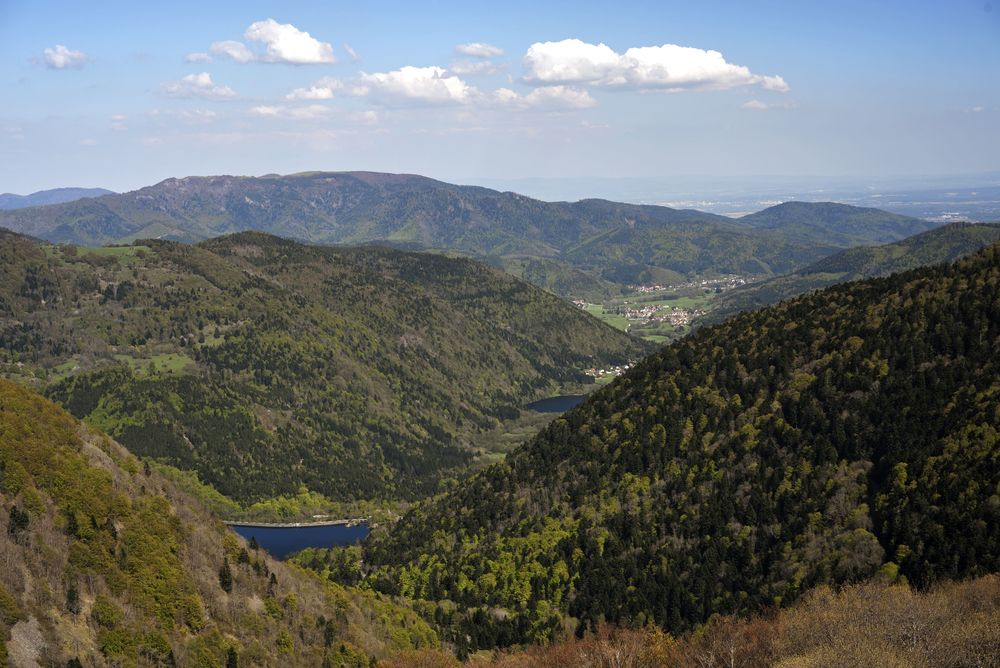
pixel 850 433
pixel 136 576
pixel 264 364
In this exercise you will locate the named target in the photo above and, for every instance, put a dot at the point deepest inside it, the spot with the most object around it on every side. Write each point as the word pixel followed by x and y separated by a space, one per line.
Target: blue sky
pixel 121 95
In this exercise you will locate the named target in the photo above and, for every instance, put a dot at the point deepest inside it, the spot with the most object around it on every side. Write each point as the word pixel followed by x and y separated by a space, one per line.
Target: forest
pixel 845 435
pixel 265 365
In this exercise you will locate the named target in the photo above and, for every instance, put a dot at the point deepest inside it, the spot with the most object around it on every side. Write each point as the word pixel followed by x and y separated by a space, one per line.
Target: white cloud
pixel 545 97
pixel 198 85
pixel 230 48
pixel 355 56
pixel 118 122
pixel 757 105
pixel 667 67
pixel 88 142
pixel 60 57
pixel 308 112
pixel 199 57
pixel 321 90
pixel 438 86
pixel 287 44
pixel 428 85
pixel 479 50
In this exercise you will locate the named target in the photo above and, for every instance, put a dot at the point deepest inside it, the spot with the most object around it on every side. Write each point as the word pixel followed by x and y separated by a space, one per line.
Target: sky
pixel 124 94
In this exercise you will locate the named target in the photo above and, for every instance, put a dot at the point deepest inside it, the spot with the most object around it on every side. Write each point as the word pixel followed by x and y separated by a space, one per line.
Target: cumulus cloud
pixel 427 85
pixel 479 50
pixel 321 90
pixel 284 43
pixel 559 97
pixel 668 67
pixel 438 86
pixel 230 48
pixel 307 112
pixel 198 85
pixel 281 42
pixel 60 57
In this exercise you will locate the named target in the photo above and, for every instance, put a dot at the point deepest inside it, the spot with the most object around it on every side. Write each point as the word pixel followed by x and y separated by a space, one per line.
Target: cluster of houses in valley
pixel 719 284
pixel 610 371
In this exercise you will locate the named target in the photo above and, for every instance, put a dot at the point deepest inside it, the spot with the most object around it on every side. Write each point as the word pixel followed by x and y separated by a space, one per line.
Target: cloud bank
pixel 668 67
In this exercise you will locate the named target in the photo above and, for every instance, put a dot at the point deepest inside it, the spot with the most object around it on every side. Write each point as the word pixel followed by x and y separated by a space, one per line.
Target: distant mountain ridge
pixel 53 196
pixel 942 244
pixel 610 241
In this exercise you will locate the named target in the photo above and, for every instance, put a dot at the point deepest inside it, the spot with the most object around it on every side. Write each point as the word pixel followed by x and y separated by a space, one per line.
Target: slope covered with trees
pixel 943 244
pixel 602 240
pixel 265 365
pixel 104 563
pixel 842 435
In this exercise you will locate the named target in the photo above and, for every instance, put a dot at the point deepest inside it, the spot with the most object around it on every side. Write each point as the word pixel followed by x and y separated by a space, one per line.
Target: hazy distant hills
pixel 610 242
pixel 833 224
pixel 942 244
pixel 264 364
pixel 44 197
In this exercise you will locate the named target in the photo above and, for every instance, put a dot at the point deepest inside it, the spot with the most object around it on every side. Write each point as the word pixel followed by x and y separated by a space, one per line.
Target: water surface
pixel 282 541
pixel 559 404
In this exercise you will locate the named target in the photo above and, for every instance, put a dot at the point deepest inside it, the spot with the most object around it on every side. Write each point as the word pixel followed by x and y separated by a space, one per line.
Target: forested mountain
pixel 44 197
pixel 833 224
pixel 105 563
pixel 264 364
pixel 604 241
pixel 942 244
pixel 848 433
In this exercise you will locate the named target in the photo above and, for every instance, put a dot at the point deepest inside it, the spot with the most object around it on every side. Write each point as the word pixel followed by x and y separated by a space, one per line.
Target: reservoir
pixel 280 541
pixel 559 404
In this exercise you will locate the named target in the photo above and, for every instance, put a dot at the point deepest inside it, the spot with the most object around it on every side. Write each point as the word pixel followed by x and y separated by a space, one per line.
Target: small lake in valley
pixel 559 404
pixel 280 541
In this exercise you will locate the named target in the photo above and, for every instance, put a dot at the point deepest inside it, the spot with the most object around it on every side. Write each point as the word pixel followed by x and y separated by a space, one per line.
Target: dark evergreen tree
pixel 226 576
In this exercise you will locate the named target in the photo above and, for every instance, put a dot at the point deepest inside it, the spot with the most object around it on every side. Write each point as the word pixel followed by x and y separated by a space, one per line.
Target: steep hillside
pixel 833 224
pixel 621 243
pixel 943 244
pixel 840 435
pixel 45 197
pixel 107 564
pixel 264 364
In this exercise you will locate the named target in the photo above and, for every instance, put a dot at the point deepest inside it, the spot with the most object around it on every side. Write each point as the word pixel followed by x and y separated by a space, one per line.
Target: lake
pixel 559 404
pixel 282 541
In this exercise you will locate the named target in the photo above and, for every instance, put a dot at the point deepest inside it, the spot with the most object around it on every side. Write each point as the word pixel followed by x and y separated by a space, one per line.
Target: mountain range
pixel 45 197
pixel 942 244
pixel 583 242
